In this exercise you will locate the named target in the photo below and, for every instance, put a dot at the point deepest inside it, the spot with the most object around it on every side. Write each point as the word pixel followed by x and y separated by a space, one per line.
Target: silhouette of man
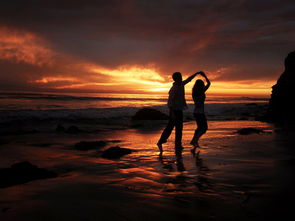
pixel 176 104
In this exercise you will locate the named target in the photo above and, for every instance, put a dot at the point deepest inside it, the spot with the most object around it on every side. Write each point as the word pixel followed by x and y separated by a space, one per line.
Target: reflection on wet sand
pixel 202 181
pixel 186 179
pixel 168 164
pixel 179 161
pixel 212 183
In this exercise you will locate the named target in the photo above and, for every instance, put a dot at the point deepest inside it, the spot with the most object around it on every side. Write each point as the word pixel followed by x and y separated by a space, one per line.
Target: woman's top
pixel 199 104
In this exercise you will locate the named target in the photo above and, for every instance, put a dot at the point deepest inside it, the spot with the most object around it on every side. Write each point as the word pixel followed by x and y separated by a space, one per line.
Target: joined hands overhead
pixel 201 73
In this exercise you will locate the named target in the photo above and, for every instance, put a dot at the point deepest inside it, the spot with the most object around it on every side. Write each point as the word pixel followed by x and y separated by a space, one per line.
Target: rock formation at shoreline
pixel 115 152
pixel 249 130
pixel 23 172
pixel 281 107
pixel 149 114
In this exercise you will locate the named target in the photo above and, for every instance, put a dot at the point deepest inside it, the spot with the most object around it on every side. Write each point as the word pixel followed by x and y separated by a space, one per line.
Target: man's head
pixel 177 77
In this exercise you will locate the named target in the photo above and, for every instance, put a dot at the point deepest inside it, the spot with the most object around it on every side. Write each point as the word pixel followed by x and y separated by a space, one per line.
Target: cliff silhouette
pixel 281 104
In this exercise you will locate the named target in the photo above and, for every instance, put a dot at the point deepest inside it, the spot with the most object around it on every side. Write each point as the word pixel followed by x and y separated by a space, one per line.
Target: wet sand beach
pixel 233 177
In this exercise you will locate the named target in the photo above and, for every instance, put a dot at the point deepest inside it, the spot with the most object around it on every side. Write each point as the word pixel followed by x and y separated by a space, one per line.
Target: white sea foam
pixel 20 107
pixel 219 111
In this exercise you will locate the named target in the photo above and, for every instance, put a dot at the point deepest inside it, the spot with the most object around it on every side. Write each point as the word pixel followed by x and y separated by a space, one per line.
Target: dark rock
pixel 70 130
pixel 243 118
pixel 115 141
pixel 281 108
pixel 252 104
pixel 60 129
pixel 149 114
pixel 288 162
pixel 20 132
pixel 44 144
pixel 5 209
pixel 137 125
pixel 263 118
pixel 249 130
pixel 73 130
pixel 23 172
pixel 23 132
pixel 89 145
pixel 115 152
pixel 2 142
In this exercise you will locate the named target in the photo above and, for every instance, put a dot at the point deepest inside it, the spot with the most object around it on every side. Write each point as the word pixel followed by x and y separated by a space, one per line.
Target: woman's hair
pixel 199 88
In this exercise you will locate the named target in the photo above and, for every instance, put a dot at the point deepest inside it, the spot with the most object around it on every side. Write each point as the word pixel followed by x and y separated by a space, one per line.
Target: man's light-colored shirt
pixel 176 100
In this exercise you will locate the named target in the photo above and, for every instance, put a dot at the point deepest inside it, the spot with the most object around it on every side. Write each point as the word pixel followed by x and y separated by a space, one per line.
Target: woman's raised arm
pixel 207 80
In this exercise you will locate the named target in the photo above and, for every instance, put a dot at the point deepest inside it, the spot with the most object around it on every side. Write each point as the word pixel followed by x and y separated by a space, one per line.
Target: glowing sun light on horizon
pixel 135 79
pixel 138 78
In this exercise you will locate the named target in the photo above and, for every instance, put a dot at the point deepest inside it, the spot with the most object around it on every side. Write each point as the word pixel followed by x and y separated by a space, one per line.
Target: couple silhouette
pixel 177 103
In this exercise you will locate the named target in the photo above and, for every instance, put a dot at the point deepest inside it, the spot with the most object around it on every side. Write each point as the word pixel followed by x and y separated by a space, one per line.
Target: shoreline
pixel 234 174
pixel 32 120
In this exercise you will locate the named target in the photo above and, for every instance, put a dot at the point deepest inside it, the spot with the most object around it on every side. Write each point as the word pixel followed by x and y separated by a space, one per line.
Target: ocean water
pixel 92 106
pixel 53 101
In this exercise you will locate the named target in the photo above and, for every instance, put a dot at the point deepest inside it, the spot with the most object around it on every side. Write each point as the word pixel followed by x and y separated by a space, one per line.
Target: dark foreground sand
pixel 234 177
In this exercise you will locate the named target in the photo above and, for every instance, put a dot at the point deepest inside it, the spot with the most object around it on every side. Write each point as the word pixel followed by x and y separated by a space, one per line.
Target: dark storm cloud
pixel 249 38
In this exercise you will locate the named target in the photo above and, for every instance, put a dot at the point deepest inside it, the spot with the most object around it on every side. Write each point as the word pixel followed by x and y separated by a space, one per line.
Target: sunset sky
pixel 133 46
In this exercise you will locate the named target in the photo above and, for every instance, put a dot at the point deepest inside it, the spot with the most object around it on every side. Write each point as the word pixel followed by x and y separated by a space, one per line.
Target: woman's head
pixel 198 88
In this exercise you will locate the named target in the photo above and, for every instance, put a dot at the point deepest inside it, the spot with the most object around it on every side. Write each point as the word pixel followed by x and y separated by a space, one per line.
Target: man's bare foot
pixel 178 149
pixel 160 147
pixel 179 146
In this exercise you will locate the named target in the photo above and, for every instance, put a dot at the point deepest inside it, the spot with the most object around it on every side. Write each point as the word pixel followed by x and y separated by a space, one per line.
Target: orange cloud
pixel 136 79
pixel 74 73
pixel 23 46
pixel 46 80
pixel 89 85
pixel 242 87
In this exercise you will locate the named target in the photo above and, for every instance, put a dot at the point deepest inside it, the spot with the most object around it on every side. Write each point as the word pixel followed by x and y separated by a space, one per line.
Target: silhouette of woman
pixel 199 97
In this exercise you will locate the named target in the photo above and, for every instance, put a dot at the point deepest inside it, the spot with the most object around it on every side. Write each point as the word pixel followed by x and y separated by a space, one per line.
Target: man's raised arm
pixel 190 78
